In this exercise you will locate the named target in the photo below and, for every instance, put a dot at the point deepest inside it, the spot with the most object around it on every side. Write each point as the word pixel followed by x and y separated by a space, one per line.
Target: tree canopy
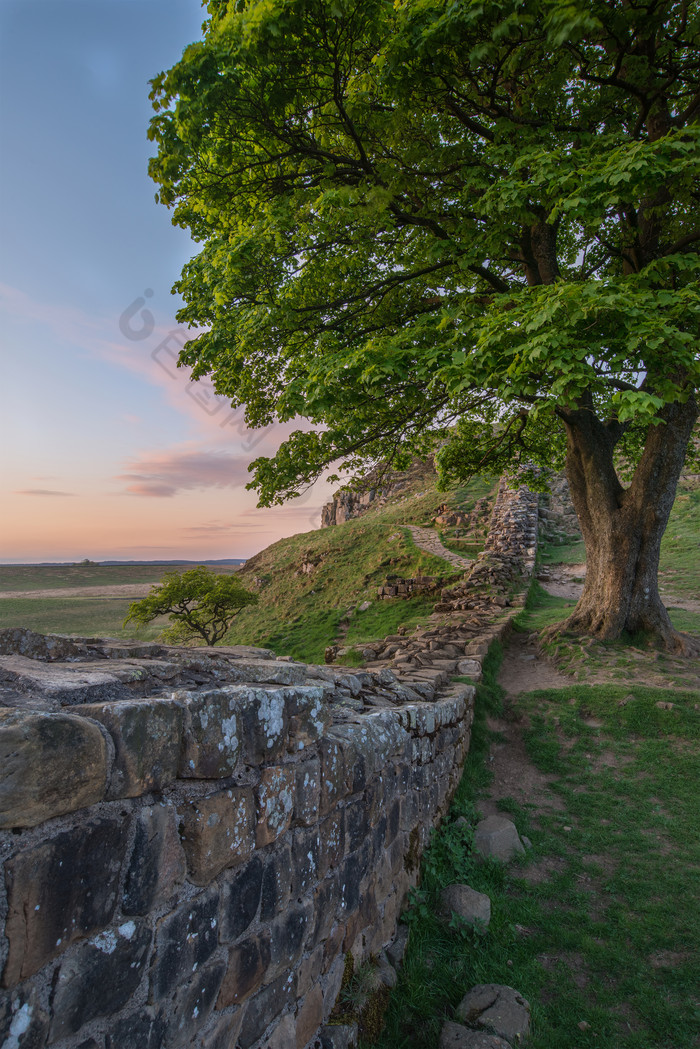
pixel 444 223
pixel 201 604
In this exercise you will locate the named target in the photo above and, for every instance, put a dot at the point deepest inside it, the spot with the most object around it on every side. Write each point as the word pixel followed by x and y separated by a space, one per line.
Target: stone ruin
pixel 193 840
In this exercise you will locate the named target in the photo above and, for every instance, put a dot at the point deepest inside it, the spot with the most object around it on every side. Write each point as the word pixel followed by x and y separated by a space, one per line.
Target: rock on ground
pixel 454 1036
pixel 497 836
pixel 497 1009
pixel 471 906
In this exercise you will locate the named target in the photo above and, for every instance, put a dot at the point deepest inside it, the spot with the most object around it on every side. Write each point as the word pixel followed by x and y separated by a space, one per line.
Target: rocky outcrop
pixel 376 490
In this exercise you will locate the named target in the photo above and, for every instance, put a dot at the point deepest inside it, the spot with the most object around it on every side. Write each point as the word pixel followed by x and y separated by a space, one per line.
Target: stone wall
pixel 192 840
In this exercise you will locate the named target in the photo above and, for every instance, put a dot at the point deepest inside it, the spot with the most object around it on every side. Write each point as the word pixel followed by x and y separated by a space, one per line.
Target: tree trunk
pixel 622 528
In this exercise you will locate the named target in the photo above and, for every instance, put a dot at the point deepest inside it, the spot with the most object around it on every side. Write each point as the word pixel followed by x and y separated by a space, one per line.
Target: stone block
pixel 240 899
pixel 60 891
pixel 50 764
pixel 309 1017
pixel 469 668
pixel 472 907
pixel 157 863
pixel 272 671
pixel 397 949
pixel 265 723
pixel 267 1004
pixel 309 716
pixel 218 832
pixel 99 977
pixel 143 1029
pixel 284 1035
pixel 288 933
pixel 309 970
pixel 191 1005
pixel 333 786
pixel 496 1009
pixel 352 871
pixel 496 836
pixel 147 736
pixel 331 985
pixel 356 824
pixel 275 803
pixel 331 834
pixel 455 1036
pixel 213 732
pixel 307 797
pixel 248 963
pixel 185 940
pixel 23 1023
pixel 277 881
pixel 306 860
pixel 223 1032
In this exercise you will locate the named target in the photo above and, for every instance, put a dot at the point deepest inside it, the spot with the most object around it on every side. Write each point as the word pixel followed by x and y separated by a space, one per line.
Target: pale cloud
pixel 41 491
pixel 164 474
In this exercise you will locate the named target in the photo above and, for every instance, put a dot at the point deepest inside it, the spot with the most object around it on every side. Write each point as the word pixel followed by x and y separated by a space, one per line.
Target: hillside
pixel 313 587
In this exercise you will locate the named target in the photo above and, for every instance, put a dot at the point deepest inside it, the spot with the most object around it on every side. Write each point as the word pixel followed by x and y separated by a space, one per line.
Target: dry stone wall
pixel 192 841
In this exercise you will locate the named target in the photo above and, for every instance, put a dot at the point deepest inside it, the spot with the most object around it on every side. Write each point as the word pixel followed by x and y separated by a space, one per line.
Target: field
pixel 31 596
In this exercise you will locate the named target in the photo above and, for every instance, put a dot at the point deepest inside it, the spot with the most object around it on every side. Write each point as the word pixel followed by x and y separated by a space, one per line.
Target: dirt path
pixel 428 540
pixel 566 581
pixel 119 590
pixel 514 775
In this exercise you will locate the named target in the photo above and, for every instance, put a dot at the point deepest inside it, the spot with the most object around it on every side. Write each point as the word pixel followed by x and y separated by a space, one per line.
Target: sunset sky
pixel 108 450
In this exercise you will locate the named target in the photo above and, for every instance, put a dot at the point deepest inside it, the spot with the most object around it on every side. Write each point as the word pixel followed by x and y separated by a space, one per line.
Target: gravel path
pixel 427 539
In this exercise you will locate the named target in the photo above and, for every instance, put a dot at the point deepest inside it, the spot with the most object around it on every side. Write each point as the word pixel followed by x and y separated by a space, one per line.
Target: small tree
pixel 199 603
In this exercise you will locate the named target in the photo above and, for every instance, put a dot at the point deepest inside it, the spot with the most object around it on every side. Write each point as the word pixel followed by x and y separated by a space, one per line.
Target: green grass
pixel 572 552
pixel 385 617
pixel 53 577
pixel 608 936
pixel 299 614
pixel 679 571
pixel 84 616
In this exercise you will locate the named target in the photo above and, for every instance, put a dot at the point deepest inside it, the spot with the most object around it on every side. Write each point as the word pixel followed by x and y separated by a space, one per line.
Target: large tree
pixel 470 225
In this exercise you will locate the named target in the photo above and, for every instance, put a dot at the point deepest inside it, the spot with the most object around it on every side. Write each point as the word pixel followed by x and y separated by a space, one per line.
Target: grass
pixel 571 552
pixel 54 577
pixel 599 924
pixel 301 613
pixel 679 571
pixel 84 616
pixel 386 617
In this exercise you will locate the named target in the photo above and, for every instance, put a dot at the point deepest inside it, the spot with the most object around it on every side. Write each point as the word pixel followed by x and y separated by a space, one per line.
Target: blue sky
pixel 107 451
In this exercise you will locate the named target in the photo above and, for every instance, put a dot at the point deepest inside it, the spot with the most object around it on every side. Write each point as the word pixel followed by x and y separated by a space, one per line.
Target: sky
pixel 108 451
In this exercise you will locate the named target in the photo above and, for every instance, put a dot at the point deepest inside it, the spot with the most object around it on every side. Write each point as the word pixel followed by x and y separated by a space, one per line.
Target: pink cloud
pixel 164 474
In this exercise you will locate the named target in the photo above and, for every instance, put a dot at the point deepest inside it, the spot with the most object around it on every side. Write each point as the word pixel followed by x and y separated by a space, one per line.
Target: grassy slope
pixel 603 940
pixel 300 614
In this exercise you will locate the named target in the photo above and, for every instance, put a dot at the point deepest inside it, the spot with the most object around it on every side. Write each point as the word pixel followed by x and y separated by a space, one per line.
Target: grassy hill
pixel 311 587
